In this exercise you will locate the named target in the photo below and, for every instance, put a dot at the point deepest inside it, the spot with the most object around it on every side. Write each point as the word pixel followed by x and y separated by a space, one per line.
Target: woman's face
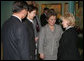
pixel 65 23
pixel 52 20
pixel 32 14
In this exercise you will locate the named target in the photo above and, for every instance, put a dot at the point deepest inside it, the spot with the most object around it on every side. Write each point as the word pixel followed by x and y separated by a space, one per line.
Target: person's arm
pixel 60 32
pixel 41 43
pixel 39 22
pixel 23 43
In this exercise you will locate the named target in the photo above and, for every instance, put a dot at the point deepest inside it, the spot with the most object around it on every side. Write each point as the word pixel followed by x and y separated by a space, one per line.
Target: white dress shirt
pixel 17 17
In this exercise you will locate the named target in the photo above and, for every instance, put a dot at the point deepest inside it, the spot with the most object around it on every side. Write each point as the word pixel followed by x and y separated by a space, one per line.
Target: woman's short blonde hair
pixel 69 17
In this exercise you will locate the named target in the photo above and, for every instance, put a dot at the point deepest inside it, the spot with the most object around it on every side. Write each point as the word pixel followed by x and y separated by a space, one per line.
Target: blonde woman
pixel 49 38
pixel 67 46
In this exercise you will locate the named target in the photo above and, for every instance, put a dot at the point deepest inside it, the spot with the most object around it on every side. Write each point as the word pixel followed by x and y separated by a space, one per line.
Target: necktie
pixel 37 26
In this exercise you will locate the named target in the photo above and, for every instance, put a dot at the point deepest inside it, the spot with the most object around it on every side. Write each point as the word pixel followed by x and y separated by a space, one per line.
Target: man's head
pixel 31 11
pixel 20 8
pixel 46 10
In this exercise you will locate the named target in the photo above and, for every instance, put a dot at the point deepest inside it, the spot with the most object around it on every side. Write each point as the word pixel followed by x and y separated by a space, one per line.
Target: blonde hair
pixel 69 17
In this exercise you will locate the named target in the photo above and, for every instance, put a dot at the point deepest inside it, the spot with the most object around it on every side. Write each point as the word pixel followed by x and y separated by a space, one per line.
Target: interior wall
pixel 6 10
pixel 49 2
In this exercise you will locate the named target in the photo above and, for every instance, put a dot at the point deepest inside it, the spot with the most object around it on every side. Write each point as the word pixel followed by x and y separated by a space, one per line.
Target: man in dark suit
pixel 28 22
pixel 43 17
pixel 29 27
pixel 14 35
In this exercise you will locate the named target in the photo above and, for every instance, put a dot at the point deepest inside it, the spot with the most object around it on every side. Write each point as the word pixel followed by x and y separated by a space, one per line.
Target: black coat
pixel 68 46
pixel 30 29
pixel 43 20
pixel 15 40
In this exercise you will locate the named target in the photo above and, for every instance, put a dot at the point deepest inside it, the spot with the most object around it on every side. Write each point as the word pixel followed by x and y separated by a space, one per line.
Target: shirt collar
pixel 17 17
pixel 30 20
pixel 69 27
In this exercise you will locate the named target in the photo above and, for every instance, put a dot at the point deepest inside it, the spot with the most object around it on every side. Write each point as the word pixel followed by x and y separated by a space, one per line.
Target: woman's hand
pixel 41 55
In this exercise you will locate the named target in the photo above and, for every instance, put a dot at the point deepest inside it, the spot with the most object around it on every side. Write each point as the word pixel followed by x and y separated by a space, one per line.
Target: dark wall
pixel 6 10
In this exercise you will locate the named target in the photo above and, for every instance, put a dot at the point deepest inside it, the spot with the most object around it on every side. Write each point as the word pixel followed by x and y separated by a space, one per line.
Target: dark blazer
pixel 68 46
pixel 15 40
pixel 43 20
pixel 30 29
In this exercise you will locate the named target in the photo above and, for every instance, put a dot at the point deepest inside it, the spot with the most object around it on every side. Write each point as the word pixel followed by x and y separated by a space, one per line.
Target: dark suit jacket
pixel 68 46
pixel 43 20
pixel 15 40
pixel 30 29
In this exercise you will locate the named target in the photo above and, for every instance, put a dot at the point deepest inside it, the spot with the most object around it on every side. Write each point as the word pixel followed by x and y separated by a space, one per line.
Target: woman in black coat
pixel 67 46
